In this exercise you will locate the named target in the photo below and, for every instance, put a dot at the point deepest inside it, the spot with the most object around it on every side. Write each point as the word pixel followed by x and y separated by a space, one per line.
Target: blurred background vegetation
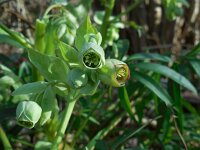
pixel 158 108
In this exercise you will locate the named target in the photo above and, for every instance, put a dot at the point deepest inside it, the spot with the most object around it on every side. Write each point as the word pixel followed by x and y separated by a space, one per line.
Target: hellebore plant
pixel 64 70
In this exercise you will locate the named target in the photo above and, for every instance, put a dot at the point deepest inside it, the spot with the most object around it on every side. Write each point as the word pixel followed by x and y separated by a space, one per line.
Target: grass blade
pixel 153 86
pixel 168 72
pixel 148 56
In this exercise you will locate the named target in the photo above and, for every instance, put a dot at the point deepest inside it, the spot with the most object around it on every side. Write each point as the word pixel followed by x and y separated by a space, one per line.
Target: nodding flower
pixel 28 113
pixel 114 73
pixel 92 56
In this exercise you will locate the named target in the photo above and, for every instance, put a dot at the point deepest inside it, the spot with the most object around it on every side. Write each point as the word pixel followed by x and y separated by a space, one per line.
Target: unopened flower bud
pixel 93 38
pixel 92 56
pixel 28 113
pixel 77 78
pixel 45 116
pixel 114 73
pixel 61 30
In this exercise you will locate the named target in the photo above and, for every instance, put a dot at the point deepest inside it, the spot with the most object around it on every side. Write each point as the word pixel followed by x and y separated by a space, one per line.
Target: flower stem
pixel 63 125
pixel 104 27
pixel 4 139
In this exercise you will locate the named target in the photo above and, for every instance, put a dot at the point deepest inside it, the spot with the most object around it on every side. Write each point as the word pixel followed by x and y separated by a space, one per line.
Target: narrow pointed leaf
pixel 35 87
pixel 149 56
pixel 125 101
pixel 196 66
pixel 168 72
pixel 153 86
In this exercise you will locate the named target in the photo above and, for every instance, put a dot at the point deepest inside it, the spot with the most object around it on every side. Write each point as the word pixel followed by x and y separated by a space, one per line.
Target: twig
pixel 178 131
pixel 106 21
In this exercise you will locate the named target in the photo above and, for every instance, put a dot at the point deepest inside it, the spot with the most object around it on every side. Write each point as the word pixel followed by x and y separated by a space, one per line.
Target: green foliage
pixel 85 28
pixel 69 59
pixel 173 8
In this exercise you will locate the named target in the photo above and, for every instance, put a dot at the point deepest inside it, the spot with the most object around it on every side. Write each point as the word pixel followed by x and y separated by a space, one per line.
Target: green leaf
pixel 35 87
pixel 68 53
pixel 178 104
pixel 194 51
pixel 15 36
pixel 48 102
pixel 85 28
pixel 90 88
pixel 124 99
pixel 7 39
pixel 43 145
pixel 153 86
pixel 190 107
pixel 6 80
pixel 149 56
pixel 51 67
pixel 166 71
pixel 196 66
pixel 120 48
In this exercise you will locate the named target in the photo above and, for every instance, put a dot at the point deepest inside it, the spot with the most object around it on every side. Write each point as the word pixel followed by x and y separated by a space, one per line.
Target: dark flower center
pixel 26 123
pixel 121 74
pixel 91 60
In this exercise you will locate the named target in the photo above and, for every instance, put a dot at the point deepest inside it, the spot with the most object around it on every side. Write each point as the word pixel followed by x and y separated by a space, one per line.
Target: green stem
pixel 12 34
pixel 105 24
pixel 63 125
pixel 50 8
pixel 4 139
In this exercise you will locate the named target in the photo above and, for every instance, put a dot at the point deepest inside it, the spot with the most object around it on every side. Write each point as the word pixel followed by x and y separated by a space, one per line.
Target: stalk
pixel 63 125
pixel 105 24
pixel 4 139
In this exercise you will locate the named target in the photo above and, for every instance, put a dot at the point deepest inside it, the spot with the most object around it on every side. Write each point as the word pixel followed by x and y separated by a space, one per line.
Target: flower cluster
pixel 73 72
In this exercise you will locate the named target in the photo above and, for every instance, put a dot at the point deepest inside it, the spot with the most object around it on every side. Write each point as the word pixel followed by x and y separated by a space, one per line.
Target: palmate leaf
pixel 68 53
pixel 30 88
pixel 48 102
pixel 166 71
pixel 85 28
pixel 51 67
pixel 153 86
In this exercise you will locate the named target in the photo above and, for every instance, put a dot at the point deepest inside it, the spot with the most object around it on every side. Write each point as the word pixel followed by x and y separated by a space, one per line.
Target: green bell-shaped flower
pixel 77 78
pixel 92 55
pixel 28 113
pixel 114 73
